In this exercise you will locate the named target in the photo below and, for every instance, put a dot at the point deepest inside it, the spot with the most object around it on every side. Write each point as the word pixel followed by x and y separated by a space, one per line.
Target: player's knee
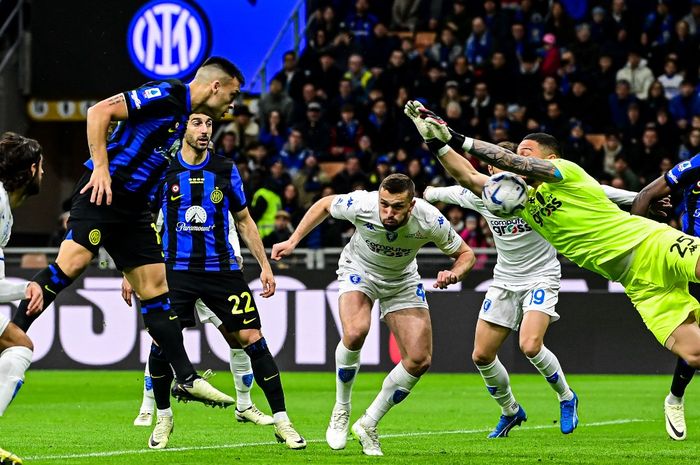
pixel 15 337
pixel 74 265
pixel 482 357
pixel 531 346
pixel 693 360
pixel 354 337
pixel 417 364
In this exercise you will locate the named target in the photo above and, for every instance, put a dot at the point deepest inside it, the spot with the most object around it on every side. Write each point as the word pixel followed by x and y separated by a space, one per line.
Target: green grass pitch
pixel 86 417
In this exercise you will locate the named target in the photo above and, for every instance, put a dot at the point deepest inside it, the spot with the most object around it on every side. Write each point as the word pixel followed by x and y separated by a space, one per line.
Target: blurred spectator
pixel 690 146
pixel 559 23
pixel 683 47
pixel 551 61
pixel 655 101
pixel 293 154
pixel 346 133
pixel 276 99
pixel 350 178
pixel 382 46
pixel 555 123
pixel 327 76
pixel 602 29
pixel 380 127
pixel 499 75
pixel 527 80
pixel 264 206
pixel 396 75
pixel 671 79
pixel 618 103
pixel 637 74
pixel 315 132
pixel 274 132
pixel 580 151
pixel 499 120
pixel 630 181
pixel 446 50
pixel 584 106
pixel 227 146
pixel 603 77
pixel 360 24
pixel 481 107
pixel 308 96
pixel 684 105
pixel 495 19
pixel 414 170
pixel 586 51
pixel 282 229
pixel 462 75
pixel 365 153
pixel 360 78
pixel 291 203
pixel 657 25
pixel 309 181
pixel 648 156
pixel 405 14
pixel 380 171
pixel 324 19
pixel 634 126
pixel 549 93
pixel 692 19
pixel 479 44
pixel 244 126
pixel 612 148
pixel 430 87
pixel 291 76
pixel 459 20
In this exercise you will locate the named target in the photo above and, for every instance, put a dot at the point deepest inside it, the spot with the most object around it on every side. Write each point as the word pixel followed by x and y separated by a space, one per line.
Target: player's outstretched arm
pixel 99 116
pixel 464 262
pixel 318 212
pixel 543 170
pixel 655 191
pixel 249 232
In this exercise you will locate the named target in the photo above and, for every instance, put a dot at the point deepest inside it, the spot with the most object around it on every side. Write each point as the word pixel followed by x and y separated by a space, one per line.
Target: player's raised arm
pixel 500 157
pixel 658 189
pixel 99 116
pixel 318 212
pixel 249 232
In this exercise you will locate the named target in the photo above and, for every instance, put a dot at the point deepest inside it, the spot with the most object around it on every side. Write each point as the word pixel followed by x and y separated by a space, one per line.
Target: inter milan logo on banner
pixel 168 39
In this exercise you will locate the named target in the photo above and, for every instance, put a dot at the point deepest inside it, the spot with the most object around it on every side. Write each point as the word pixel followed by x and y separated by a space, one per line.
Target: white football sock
pixel 148 402
pixel 280 417
pixel 347 364
pixel 498 383
pixel 168 412
pixel 242 372
pixel 396 386
pixel 673 400
pixel 14 361
pixel 548 366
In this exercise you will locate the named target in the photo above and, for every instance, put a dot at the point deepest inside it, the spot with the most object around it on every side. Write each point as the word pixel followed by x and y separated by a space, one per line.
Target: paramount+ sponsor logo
pixel 509 227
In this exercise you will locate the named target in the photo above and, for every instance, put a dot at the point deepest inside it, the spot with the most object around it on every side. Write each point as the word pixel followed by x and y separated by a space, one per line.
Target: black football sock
pixel 162 324
pixel 161 377
pixel 681 377
pixel 266 374
pixel 52 281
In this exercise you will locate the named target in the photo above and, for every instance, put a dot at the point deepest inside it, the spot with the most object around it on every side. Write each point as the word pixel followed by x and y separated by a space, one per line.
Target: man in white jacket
pixel 20 176
pixel 637 73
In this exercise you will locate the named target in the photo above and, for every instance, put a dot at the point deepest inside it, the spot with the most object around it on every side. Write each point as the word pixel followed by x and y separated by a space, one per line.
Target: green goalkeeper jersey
pixel 577 218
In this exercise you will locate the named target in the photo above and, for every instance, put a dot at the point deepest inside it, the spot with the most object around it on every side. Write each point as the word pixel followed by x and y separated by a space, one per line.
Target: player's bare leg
pixel 355 310
pixel 267 376
pixel 242 372
pixel 532 331
pixel 413 332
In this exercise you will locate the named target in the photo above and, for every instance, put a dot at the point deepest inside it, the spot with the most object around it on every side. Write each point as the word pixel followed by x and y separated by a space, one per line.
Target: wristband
pixel 460 143
pixel 435 146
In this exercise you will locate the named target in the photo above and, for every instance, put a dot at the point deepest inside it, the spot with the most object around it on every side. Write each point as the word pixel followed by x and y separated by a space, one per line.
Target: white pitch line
pixel 270 443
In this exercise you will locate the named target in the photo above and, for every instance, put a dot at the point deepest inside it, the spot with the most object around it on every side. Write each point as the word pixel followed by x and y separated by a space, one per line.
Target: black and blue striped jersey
pixel 685 178
pixel 139 149
pixel 195 201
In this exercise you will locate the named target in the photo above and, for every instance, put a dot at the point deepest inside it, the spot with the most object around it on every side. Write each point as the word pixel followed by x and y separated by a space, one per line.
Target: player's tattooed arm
pixel 500 157
pixel 115 100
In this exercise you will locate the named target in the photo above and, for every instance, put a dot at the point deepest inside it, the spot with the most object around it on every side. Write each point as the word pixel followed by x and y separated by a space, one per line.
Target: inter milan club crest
pixel 391 236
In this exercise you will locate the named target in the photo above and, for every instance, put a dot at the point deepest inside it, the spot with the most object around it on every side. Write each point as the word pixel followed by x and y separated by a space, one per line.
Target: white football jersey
pixel 524 257
pixel 8 291
pixel 390 254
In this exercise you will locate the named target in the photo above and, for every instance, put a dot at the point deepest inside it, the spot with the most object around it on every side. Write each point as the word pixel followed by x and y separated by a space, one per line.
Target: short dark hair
pixel 546 141
pixel 227 66
pixel 17 155
pixel 398 183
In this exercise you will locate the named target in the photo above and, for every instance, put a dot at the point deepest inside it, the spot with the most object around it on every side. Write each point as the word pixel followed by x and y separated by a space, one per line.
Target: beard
pixel 33 188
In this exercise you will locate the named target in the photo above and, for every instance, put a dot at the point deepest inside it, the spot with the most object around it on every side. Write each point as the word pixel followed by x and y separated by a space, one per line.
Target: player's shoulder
pixel 161 91
pixel 427 215
pixel 360 199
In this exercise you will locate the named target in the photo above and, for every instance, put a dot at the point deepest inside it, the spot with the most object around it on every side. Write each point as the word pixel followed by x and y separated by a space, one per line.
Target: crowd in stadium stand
pixel 614 81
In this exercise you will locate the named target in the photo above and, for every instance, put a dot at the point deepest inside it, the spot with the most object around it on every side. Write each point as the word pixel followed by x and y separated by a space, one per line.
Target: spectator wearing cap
pixel 637 73
pixel 380 127
pixel 684 105
pixel 585 50
pixel 350 177
pixel 658 26
pixel 346 133
pixel 551 60
pixel 276 99
pixel 602 29
pixel 619 101
pixel 282 229
pixel 293 154
pixel 243 125
pixel 445 50
pixel 479 44
pixel 315 131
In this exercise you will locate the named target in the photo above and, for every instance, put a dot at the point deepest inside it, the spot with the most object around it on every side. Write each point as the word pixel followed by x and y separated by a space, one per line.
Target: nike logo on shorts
pixel 273 376
pixel 172 317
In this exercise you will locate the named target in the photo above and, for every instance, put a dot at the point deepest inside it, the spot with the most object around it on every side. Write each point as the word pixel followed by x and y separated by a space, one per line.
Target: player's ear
pixel 215 86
